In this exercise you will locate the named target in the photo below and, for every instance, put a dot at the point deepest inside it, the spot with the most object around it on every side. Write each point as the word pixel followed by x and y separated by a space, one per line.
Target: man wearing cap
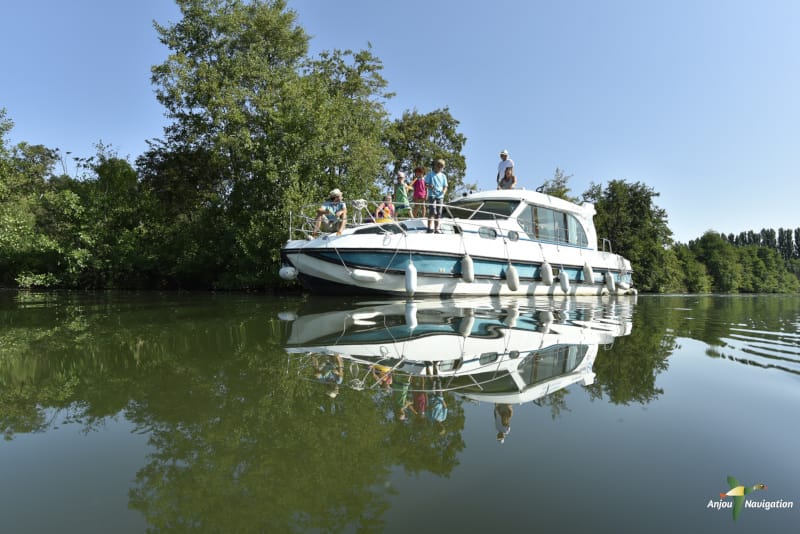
pixel 502 420
pixel 505 163
pixel 331 211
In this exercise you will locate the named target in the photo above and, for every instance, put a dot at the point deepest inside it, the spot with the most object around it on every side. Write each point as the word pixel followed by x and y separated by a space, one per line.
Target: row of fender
pixel 512 277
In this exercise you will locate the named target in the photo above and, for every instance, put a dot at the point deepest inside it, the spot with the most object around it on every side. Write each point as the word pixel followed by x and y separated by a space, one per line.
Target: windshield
pixel 482 210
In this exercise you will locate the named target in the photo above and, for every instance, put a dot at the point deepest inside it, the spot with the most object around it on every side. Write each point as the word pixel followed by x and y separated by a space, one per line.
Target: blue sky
pixel 696 99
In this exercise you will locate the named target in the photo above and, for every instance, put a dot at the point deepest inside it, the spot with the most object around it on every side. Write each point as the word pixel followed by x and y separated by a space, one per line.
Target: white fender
pixel 287 316
pixel 628 291
pixel 547 273
pixel 364 318
pixel 466 324
pixel 512 314
pixel 512 277
pixel 411 314
pixel 288 272
pixel 411 279
pixel 547 318
pixel 611 284
pixel 467 268
pixel 563 280
pixel 624 285
pixel 588 274
pixel 362 275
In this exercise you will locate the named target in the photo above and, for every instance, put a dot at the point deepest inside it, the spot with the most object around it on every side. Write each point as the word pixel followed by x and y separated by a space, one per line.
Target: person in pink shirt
pixel 420 193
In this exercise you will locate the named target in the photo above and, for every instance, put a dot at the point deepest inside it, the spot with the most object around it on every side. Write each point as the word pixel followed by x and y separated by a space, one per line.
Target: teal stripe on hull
pixel 441 265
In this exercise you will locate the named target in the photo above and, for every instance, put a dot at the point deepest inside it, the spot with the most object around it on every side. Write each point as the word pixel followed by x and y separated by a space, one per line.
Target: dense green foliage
pixel 637 228
pixel 415 140
pixel 259 129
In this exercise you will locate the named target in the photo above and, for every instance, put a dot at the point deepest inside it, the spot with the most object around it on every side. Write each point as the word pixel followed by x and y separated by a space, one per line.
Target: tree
pixel 416 140
pixel 693 274
pixel 111 236
pixel 557 186
pixel 28 256
pixel 188 234
pixel 721 260
pixel 785 245
pixel 277 128
pixel 768 238
pixel 796 251
pixel 636 227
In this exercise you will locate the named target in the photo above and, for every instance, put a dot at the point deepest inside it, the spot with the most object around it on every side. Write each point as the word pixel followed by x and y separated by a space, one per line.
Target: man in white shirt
pixel 505 163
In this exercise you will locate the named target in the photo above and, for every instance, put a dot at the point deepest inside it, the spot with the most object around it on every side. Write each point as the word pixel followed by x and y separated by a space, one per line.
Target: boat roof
pixel 533 197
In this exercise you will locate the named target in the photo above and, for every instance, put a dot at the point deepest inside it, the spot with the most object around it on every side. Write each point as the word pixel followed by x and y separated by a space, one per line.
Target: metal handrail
pixel 362 214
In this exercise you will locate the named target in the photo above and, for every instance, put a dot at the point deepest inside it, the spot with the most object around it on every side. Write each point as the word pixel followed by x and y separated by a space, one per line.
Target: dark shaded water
pixel 237 413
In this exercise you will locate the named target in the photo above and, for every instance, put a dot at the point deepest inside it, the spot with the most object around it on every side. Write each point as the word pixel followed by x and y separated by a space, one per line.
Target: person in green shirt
pixel 401 189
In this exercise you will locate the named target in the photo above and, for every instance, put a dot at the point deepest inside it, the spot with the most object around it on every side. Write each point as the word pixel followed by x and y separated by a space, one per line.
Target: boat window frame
pixel 551 362
pixel 487 232
pixel 551 225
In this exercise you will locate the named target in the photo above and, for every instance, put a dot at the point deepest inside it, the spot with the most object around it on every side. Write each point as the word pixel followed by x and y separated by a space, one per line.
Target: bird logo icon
pixel 738 491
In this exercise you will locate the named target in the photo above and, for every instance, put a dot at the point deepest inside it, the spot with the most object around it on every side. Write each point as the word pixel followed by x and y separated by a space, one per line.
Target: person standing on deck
pixel 401 189
pixel 436 182
pixel 505 163
pixel 420 193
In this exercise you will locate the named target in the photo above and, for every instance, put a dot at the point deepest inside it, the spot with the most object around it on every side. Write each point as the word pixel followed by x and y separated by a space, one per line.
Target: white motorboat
pixel 507 242
pixel 507 351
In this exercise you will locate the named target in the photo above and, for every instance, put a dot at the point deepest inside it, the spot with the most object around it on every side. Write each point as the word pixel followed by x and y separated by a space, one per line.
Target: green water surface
pixel 186 413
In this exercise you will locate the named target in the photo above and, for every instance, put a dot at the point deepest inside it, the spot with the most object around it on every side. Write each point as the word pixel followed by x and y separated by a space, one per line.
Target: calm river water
pixel 245 413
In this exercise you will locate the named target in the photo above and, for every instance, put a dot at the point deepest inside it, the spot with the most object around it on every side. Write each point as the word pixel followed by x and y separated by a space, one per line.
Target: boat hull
pixel 321 274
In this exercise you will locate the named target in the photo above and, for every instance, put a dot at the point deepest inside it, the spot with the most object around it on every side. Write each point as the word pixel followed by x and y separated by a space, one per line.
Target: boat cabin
pixel 550 223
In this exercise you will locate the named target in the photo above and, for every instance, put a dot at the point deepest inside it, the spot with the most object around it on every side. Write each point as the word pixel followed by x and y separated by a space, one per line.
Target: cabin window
pixel 513 236
pixel 488 233
pixel 488 357
pixel 551 362
pixel 553 226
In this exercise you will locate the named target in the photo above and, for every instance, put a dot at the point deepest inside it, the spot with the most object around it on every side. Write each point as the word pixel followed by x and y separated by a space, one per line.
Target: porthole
pixel 513 236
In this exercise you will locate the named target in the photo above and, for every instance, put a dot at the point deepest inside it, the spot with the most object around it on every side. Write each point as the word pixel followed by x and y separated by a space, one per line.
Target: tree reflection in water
pixel 245 437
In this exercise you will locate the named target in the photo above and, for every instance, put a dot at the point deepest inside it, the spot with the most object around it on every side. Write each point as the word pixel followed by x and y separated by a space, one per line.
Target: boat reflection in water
pixel 491 350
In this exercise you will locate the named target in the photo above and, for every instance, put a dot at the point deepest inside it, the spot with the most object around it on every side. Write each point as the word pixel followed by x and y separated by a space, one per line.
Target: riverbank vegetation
pixel 260 127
